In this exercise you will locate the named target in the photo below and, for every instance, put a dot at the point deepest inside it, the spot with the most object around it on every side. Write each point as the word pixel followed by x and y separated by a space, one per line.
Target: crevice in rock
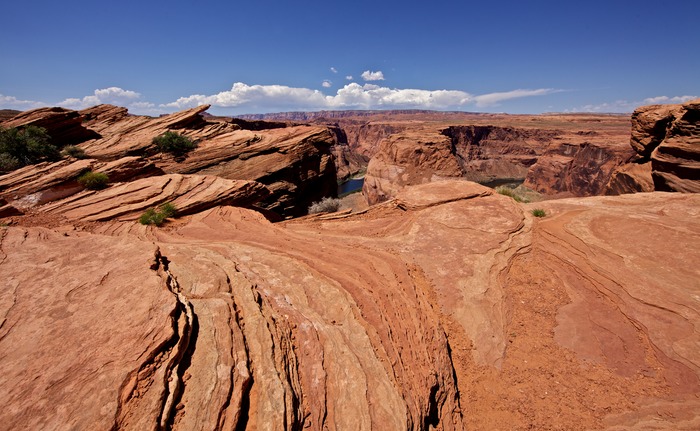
pixel 240 397
pixel 186 330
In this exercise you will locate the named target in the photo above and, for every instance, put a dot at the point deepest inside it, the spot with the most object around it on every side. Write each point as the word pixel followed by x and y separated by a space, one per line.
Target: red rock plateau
pixel 445 307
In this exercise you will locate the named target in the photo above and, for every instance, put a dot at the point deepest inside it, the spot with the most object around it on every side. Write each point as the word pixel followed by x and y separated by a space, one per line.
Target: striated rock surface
pixel 630 178
pixel 87 324
pixel 669 136
pixel 45 182
pixel 577 167
pixel 450 308
pixel 297 163
pixel 188 193
pixel 64 126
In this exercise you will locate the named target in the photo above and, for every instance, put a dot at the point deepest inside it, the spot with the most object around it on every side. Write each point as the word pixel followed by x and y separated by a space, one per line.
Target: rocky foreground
pixel 447 306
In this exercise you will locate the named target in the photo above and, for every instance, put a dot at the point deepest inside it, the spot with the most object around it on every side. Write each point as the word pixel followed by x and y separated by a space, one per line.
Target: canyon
pixel 440 305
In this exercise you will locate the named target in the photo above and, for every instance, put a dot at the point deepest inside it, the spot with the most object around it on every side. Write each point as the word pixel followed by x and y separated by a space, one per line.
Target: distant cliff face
pixel 565 161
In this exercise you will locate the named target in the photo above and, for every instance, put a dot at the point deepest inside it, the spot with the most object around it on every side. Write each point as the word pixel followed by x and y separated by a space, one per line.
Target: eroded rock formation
pixel 296 163
pixel 450 307
pixel 669 137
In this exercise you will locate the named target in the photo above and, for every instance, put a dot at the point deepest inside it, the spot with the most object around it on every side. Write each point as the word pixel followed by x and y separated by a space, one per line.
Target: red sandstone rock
pixel 630 178
pixel 87 324
pixel 450 307
pixel 127 201
pixel 296 163
pixel 45 182
pixel 669 136
pixel 62 125
pixel 566 161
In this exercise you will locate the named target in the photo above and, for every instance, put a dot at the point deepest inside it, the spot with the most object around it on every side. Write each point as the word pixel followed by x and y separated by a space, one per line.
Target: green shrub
pixel 93 180
pixel 25 146
pixel 538 212
pixel 174 143
pixel 158 215
pixel 325 205
pixel 506 191
pixel 8 163
pixel 73 151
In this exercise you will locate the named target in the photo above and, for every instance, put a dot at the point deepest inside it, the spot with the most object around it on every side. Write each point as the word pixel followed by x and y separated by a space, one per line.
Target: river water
pixel 350 186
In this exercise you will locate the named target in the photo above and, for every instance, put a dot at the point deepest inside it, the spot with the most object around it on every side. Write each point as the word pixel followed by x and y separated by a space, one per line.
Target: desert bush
pixel 73 151
pixel 25 146
pixel 174 143
pixel 325 205
pixel 506 191
pixel 93 180
pixel 158 215
pixel 8 163
pixel 539 212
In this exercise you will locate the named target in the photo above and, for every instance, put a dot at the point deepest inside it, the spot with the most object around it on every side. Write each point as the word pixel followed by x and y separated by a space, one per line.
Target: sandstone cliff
pixel 447 308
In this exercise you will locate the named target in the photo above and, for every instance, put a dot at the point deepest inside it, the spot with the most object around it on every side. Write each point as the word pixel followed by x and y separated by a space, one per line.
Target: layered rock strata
pixel 450 307
pixel 296 162
pixel 668 136
pixel 552 162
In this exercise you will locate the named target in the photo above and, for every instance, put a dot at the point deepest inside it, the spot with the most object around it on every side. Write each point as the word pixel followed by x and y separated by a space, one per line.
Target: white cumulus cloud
pixel 349 77
pixel 373 76
pixel 256 97
pixel 269 98
pixel 626 106
pixel 11 102
pixel 665 99
pixel 326 83
pixel 495 98
pixel 113 96
pixel 334 70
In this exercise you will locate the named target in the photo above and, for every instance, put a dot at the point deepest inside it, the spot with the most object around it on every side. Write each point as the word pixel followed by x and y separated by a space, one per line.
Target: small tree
pixel 174 143
pixel 27 145
pixel 93 180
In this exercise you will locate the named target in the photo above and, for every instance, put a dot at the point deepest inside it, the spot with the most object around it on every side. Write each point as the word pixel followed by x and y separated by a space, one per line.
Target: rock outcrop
pixel 45 182
pixel 669 137
pixel 630 178
pixel 64 126
pixel 450 307
pixel 577 167
pixel 188 193
pixel 296 163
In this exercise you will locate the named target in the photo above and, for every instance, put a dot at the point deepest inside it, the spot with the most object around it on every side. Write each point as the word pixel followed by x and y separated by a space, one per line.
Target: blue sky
pixel 268 56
